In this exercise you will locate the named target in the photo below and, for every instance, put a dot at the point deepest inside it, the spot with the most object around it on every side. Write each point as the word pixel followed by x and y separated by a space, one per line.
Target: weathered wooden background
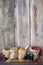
pixel 37 22
pixel 21 23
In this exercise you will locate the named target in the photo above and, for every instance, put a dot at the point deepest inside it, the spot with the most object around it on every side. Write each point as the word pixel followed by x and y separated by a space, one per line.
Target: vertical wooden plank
pixel 32 24
pixel 1 26
pixel 9 23
pixel 40 23
pixel 36 22
pixel 24 36
pixel 17 39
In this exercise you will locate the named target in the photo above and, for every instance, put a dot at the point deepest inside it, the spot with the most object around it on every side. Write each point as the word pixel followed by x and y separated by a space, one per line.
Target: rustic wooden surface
pixel 37 22
pixel 14 23
pixel 21 23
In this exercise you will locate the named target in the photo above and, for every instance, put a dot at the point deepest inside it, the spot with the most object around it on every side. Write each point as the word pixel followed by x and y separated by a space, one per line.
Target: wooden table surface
pixel 18 63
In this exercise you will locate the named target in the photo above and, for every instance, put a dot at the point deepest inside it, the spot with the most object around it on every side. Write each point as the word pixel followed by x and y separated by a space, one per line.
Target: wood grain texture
pixel 21 23
pixel 37 23
pixel 23 10
pixel 14 23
